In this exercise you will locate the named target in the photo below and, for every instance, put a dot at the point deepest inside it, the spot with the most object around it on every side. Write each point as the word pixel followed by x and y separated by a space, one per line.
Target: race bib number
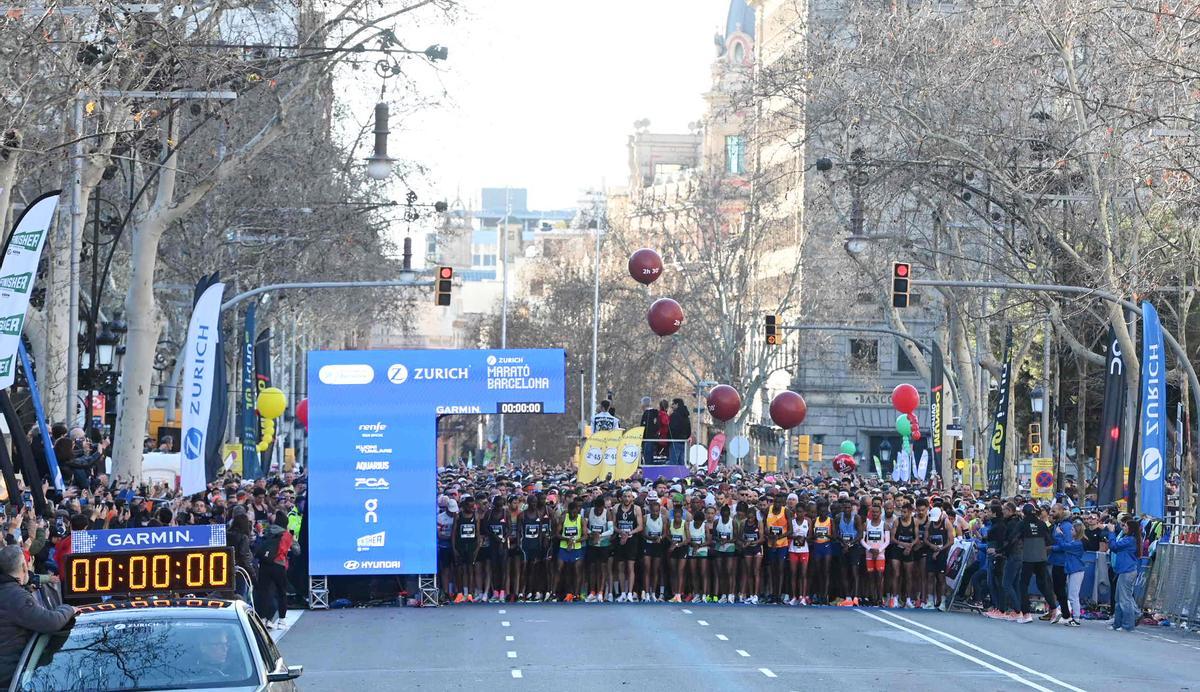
pixel 676 538
pixel 873 535
pixel 532 530
pixel 822 532
pixel 571 531
pixel 467 531
pixel 776 530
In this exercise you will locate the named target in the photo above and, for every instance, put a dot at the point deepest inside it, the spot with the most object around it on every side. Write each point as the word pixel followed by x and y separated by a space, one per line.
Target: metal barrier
pixel 1173 585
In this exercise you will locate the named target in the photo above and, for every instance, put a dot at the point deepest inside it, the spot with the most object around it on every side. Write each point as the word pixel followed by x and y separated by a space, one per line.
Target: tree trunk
pixel 59 323
pixel 140 344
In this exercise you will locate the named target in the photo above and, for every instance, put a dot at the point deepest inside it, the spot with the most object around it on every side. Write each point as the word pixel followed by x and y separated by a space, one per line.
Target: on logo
pixel 397 373
pixel 193 444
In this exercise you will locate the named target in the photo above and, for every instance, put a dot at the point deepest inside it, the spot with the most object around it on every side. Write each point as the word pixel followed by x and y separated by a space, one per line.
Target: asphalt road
pixel 605 647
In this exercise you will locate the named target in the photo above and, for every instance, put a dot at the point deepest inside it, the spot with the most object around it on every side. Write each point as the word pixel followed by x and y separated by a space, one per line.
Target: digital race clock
pixel 189 570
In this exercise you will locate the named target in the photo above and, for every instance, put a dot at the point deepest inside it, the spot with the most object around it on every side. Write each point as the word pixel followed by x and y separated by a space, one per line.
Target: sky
pixel 543 94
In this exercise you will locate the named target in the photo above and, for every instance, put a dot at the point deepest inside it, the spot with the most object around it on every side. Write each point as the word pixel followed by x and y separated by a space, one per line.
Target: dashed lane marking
pixel 743 653
pixel 512 654
pixel 686 611
pixel 509 638
pixel 505 623
pixel 702 623
pixel 503 611
pixel 722 637
pixel 516 672
pixel 767 672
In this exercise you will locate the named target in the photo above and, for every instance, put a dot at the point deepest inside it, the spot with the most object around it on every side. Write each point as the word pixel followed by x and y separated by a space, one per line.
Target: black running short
pixel 598 553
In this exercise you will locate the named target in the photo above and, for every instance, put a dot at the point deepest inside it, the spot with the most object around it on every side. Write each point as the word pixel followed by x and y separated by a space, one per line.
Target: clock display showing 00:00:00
pixel 149 571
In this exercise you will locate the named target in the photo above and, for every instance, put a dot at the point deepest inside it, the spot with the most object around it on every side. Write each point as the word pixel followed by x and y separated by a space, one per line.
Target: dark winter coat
pixel 20 618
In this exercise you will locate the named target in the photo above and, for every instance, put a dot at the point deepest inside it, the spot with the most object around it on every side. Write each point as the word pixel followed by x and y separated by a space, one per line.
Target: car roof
pixel 181 608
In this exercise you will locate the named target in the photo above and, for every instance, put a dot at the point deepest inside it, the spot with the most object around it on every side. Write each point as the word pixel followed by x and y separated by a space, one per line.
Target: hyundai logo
pixel 193 444
pixel 350 564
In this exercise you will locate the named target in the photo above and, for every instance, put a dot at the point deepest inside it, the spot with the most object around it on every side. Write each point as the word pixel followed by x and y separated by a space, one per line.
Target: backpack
pixel 268 547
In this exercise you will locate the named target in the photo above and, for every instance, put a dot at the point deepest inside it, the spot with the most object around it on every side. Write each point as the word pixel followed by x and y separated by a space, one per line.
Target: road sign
pixel 739 447
pixel 1042 478
pixel 697 455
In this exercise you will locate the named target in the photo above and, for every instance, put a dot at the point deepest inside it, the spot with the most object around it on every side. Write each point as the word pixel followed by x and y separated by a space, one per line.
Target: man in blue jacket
pixel 1125 550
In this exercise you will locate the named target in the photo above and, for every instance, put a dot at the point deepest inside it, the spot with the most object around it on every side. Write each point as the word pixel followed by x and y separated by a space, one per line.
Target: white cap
pixel 793 496
pixel 452 507
pixel 710 500
pixel 677 488
pixel 935 513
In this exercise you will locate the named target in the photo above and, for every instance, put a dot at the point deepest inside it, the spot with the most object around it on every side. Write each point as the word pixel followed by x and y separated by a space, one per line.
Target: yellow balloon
pixel 271 403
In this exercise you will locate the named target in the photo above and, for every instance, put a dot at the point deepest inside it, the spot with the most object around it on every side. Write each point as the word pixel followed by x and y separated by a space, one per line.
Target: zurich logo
pixel 350 564
pixel 193 444
pixel 397 373
pixel 1152 464
pixel 491 360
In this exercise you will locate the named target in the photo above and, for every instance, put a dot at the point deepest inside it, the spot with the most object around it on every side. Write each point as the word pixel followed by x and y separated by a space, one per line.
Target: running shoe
pixel 621 598
pixel 570 598
pixel 591 597
pixel 1025 619
pixel 845 603
pixel 908 603
pixel 676 599
pixel 1056 619
pixel 1048 616
pixel 551 597
pixel 1072 623
pixel 459 598
pixel 610 597
pixel 929 605
pixel 470 598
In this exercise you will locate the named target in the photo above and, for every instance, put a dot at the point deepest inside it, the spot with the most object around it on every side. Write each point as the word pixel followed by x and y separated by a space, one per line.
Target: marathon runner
pixel 570 548
pixel 445 547
pixel 876 540
pixel 905 534
pixel 750 544
pixel 627 548
pixel 850 533
pixel 466 550
pixel 678 531
pixel 938 532
pixel 496 536
pixel 823 534
pixel 726 554
pixel 533 549
pixel 798 552
pixel 599 551
pixel 699 541
pixel 779 532
pixel 653 549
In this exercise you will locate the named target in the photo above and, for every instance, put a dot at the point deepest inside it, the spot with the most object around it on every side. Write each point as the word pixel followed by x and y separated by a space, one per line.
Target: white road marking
pixel 702 623
pixel 516 672
pixel 686 611
pixel 503 612
pixel 1014 664
pixel 722 637
pixel 508 637
pixel 767 672
pixel 288 621
pixel 743 653
pixel 505 623
pixel 956 652
pixel 512 654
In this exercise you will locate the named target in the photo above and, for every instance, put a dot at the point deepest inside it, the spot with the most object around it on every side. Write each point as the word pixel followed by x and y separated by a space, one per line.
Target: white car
pixel 157 644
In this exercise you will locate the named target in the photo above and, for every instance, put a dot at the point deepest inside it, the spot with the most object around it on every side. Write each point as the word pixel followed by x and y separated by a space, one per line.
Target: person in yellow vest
pixel 570 548
pixel 821 542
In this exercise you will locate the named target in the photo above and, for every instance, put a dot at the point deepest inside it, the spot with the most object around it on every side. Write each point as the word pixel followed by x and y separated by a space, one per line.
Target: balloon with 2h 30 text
pixel 905 398
pixel 645 266
pixel 665 317
pixel 724 402
pixel 788 409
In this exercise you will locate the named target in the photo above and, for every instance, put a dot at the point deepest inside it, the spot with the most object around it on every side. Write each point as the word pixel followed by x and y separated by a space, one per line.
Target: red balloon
pixel 645 266
pixel 724 402
pixel 665 317
pixel 302 413
pixel 916 435
pixel 844 463
pixel 905 398
pixel 788 409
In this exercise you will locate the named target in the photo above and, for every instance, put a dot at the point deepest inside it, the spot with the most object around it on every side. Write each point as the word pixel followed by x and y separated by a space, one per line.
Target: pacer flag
pixel 1153 418
pixel 937 386
pixel 200 371
pixel 995 462
pixel 1112 419
pixel 17 272
pixel 248 417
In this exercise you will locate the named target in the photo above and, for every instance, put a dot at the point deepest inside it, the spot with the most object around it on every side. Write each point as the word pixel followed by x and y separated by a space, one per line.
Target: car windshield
pixel 143 654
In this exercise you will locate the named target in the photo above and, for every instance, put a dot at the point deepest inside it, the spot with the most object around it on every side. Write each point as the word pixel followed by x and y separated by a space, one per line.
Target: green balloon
pixel 903 426
pixel 848 447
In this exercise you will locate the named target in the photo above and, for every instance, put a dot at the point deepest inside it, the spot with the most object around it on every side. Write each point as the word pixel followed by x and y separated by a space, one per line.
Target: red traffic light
pixel 901 269
pixel 445 272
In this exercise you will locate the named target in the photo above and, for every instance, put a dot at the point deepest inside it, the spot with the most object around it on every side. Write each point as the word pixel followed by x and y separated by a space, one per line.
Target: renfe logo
pixel 193 444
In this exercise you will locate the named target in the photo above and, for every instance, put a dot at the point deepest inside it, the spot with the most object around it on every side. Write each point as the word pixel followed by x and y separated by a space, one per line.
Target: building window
pixel 864 354
pixel 739 53
pixel 735 155
pixel 903 363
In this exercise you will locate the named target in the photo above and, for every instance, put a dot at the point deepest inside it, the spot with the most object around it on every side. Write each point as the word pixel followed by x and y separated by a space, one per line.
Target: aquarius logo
pixel 12 325
pixel 6 366
pixel 29 240
pixel 18 283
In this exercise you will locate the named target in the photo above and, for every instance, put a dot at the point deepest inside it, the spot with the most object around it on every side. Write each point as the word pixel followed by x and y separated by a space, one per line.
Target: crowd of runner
pixel 737 537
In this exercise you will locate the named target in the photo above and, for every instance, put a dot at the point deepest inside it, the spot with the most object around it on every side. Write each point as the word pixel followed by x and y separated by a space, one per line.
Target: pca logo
pixel 397 374
pixel 193 443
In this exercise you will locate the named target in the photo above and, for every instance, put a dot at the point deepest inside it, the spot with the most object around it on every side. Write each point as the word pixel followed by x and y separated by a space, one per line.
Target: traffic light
pixel 803 448
pixel 901 273
pixel 445 283
pixel 1035 438
pixel 774 338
